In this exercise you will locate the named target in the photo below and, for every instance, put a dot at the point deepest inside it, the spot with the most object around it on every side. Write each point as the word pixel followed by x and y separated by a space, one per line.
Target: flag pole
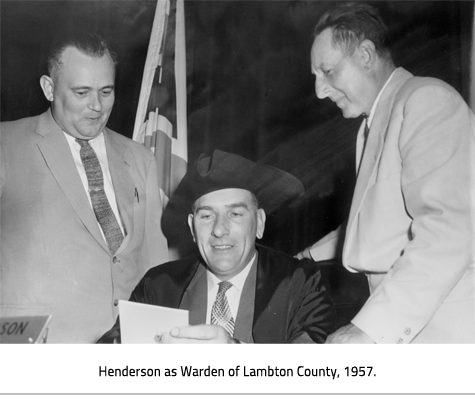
pixel 181 149
pixel 153 61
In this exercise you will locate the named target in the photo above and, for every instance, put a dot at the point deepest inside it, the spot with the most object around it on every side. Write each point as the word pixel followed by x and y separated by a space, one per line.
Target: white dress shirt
pixel 233 294
pixel 99 146
pixel 360 139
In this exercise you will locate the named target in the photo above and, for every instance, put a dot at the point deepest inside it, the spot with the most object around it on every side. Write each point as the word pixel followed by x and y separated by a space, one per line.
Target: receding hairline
pixel 91 45
pixel 254 199
pixel 353 22
pixel 55 69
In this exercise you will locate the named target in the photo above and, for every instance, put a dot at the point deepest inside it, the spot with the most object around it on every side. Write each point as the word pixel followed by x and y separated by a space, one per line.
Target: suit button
pixel 399 341
pixel 407 331
pixel 115 260
pixel 116 302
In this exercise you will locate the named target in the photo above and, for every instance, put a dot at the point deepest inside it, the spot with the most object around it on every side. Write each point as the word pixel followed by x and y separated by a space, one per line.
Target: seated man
pixel 236 291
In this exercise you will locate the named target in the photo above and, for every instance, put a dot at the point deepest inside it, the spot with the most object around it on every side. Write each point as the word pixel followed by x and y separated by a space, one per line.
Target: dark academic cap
pixel 272 186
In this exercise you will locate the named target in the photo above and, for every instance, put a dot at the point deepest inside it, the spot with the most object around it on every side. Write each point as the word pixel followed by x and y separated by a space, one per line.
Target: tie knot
pixel 224 286
pixel 83 143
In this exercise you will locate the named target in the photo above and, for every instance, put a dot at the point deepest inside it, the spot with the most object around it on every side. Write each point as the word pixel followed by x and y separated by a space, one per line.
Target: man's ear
pixel 190 224
pixel 368 53
pixel 261 223
pixel 47 85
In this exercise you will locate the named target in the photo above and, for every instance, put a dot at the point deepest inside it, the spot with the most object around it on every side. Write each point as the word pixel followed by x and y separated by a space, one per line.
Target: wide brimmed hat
pixel 272 186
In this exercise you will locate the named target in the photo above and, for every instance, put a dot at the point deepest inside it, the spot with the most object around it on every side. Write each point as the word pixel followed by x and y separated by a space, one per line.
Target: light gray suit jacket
pixel 412 219
pixel 53 257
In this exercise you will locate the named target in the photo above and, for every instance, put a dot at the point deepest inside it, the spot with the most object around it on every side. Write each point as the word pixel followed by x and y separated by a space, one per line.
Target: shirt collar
pixel 375 104
pixel 99 139
pixel 237 281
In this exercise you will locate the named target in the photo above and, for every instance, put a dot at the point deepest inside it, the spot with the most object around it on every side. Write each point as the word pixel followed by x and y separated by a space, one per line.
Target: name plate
pixel 32 329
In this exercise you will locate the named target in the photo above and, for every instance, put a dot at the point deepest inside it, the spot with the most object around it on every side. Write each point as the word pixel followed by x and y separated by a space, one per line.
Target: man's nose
pixel 95 102
pixel 322 89
pixel 220 227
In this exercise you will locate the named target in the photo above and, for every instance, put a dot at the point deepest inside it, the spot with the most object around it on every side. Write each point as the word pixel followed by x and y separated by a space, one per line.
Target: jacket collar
pixel 121 162
pixel 57 155
pixel 271 307
pixel 374 146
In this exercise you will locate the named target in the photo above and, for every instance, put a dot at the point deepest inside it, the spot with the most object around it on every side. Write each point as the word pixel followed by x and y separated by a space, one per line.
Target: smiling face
pixel 224 225
pixel 341 77
pixel 82 96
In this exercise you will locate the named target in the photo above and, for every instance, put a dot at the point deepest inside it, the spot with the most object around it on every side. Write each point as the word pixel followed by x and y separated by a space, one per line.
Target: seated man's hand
pixel 197 334
pixel 349 334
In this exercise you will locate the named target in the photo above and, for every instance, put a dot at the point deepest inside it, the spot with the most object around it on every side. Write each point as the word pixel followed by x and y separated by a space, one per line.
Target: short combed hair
pixel 90 44
pixel 351 23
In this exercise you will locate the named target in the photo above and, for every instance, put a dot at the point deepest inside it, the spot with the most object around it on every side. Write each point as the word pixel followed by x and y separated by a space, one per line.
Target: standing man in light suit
pixel 411 223
pixel 80 206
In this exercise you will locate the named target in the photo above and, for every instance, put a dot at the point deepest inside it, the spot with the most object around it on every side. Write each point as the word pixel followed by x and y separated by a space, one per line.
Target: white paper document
pixel 140 323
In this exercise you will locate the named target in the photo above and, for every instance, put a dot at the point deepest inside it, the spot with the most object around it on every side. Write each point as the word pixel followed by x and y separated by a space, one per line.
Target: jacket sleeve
pixel 312 313
pixel 327 247
pixel 436 147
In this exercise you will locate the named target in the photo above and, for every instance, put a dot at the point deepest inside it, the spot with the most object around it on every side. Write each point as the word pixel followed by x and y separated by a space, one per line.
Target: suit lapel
pixel 245 314
pixel 57 155
pixel 374 147
pixel 120 162
pixel 270 312
pixel 195 298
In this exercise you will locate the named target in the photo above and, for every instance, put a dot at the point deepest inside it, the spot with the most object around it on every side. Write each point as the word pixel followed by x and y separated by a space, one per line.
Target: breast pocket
pixel 140 202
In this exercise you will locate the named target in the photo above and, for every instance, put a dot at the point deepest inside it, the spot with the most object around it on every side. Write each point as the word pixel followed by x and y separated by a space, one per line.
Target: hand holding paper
pixel 198 334
pixel 140 323
pixel 145 323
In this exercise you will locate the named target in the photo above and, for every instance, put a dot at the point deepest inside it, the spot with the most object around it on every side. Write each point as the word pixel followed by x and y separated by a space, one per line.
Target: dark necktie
pixel 102 209
pixel 366 130
pixel 366 133
pixel 221 313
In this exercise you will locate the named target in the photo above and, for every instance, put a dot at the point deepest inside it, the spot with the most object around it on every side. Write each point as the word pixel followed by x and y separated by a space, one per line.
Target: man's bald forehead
pixel 251 201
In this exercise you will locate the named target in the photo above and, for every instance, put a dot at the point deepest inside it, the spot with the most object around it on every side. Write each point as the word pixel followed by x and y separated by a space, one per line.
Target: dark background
pixel 250 90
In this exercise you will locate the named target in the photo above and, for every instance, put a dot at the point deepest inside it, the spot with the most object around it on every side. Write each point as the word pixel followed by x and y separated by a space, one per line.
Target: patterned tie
pixel 104 214
pixel 221 313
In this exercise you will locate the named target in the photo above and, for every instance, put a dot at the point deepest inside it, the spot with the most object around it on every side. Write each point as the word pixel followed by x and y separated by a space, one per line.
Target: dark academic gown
pixel 289 297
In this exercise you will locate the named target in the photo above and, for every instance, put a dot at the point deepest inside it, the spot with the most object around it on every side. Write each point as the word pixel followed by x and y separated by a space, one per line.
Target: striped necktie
pixel 221 313
pixel 102 209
